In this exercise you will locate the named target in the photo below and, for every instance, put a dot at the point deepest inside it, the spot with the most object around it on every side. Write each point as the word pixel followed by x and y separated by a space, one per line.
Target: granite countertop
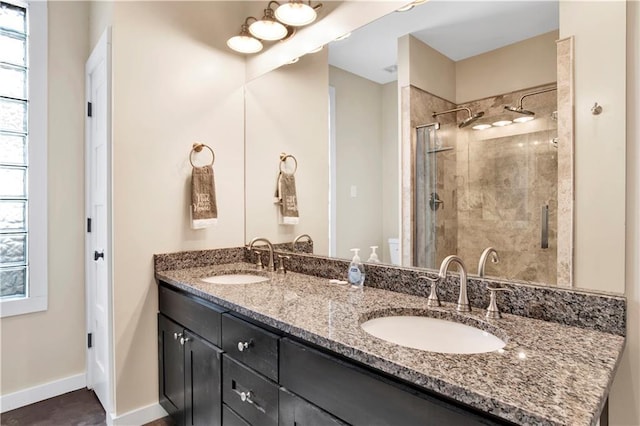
pixel 547 374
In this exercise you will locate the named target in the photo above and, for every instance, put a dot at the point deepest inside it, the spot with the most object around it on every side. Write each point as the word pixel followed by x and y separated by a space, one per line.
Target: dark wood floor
pixel 78 408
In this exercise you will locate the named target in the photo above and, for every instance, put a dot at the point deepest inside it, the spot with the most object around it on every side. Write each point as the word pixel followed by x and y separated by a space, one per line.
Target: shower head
pixel 464 123
pixel 523 111
pixel 470 119
pixel 519 110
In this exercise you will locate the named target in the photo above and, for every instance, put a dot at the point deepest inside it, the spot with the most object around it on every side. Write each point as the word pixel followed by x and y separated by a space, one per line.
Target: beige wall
pixel 600 141
pixel 624 407
pixel 100 16
pixel 174 82
pixel 287 111
pixel 390 168
pixel 358 163
pixel 528 63
pixel 47 346
pixel 423 67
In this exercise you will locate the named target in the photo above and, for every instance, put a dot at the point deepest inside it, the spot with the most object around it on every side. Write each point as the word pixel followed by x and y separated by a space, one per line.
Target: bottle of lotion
pixel 355 275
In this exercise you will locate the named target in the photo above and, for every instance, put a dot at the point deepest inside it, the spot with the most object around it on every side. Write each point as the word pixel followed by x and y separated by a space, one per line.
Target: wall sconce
pixel 268 28
pixel 278 25
pixel 296 13
pixel 245 42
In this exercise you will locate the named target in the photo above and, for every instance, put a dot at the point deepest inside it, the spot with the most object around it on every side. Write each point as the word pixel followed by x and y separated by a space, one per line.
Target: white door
pixel 98 241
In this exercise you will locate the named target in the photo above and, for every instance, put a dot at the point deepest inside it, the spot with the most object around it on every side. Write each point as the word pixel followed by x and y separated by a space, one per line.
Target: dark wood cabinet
pixel 171 367
pixel 190 366
pixel 203 375
pixel 295 411
pixel 216 368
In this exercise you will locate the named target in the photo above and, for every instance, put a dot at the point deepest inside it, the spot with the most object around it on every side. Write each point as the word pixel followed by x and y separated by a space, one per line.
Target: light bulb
pixel 502 123
pixel 523 119
pixel 268 28
pixel 296 14
pixel 244 43
pixel 481 127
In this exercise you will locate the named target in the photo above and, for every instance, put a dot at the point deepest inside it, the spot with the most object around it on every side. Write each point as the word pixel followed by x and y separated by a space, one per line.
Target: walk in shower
pixel 482 180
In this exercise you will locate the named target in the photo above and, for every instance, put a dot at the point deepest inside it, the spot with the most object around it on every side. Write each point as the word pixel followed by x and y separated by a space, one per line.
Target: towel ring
pixel 197 147
pixel 283 161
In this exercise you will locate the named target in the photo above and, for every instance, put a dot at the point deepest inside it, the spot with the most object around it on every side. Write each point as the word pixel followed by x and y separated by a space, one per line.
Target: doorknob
pixel 97 255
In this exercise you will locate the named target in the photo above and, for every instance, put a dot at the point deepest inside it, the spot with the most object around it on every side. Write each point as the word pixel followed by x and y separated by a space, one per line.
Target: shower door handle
pixel 544 234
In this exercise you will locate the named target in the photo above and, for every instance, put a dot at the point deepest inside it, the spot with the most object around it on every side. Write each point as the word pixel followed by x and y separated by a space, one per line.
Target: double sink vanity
pixel 243 346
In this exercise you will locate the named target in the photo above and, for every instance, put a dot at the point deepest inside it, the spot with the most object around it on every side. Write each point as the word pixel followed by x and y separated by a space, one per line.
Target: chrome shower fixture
pixel 519 109
pixel 464 123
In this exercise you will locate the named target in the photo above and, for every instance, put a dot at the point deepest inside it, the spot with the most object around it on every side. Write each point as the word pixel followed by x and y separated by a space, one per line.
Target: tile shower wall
pixel 505 175
pixel 422 105
pixel 493 185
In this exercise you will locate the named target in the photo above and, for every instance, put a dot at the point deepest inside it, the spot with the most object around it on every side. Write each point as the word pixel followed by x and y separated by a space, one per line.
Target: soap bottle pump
pixel 355 275
pixel 373 257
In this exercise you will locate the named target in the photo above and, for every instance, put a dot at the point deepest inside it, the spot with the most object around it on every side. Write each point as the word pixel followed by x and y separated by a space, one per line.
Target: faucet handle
pixel 492 310
pixel 433 301
pixel 259 265
pixel 281 267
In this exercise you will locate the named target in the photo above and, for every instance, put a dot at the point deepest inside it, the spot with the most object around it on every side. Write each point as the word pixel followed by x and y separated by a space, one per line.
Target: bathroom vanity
pixel 290 351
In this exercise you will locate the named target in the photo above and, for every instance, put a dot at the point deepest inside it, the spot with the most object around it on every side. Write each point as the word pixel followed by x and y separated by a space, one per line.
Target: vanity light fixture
pixel 268 28
pixel 297 13
pixel 245 42
pixel 278 25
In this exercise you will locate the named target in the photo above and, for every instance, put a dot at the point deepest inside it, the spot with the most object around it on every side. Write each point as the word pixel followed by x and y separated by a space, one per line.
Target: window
pixel 23 153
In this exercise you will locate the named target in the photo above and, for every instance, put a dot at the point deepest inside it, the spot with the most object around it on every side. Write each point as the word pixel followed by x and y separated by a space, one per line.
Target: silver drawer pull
pixel 184 340
pixel 243 345
pixel 246 397
pixel 176 336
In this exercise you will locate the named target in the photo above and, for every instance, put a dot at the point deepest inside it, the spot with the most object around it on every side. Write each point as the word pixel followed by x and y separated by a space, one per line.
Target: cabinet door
pixel 295 411
pixel 171 368
pixel 203 380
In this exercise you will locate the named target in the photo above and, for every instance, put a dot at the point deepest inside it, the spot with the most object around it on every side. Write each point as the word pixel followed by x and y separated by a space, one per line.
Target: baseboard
pixel 138 417
pixel 41 392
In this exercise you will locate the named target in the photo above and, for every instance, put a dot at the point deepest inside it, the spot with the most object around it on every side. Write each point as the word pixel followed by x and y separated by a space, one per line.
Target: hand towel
pixel 204 211
pixel 286 195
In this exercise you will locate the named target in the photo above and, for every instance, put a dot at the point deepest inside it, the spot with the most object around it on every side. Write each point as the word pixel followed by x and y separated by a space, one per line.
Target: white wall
pixel 287 111
pixel 624 407
pixel 599 31
pixel 48 346
pixel 174 82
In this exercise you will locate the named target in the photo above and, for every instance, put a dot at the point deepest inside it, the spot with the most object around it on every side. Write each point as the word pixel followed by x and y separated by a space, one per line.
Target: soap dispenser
pixel 373 257
pixel 355 275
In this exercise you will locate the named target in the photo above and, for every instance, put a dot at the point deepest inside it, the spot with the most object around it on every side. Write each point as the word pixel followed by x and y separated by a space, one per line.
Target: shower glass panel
pixel 427 201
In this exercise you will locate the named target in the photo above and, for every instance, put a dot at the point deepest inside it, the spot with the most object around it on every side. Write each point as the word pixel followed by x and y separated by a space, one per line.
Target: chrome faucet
pixel 270 264
pixel 483 259
pixel 463 300
pixel 298 238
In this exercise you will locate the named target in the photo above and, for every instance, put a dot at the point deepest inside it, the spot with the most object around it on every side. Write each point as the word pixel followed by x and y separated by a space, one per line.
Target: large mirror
pixel 358 118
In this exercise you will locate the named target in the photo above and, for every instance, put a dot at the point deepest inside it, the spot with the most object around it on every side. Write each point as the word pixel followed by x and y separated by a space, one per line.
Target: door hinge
pixel 88 224
pixel 89 112
pixel 89 340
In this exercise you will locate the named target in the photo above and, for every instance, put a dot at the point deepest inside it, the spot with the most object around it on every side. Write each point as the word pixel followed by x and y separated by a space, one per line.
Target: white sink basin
pixel 432 334
pixel 235 279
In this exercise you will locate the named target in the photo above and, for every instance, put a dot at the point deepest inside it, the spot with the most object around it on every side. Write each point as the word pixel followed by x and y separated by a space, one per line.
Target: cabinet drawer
pixel 361 398
pixel 295 411
pixel 250 345
pixel 249 394
pixel 199 316
pixel 230 418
